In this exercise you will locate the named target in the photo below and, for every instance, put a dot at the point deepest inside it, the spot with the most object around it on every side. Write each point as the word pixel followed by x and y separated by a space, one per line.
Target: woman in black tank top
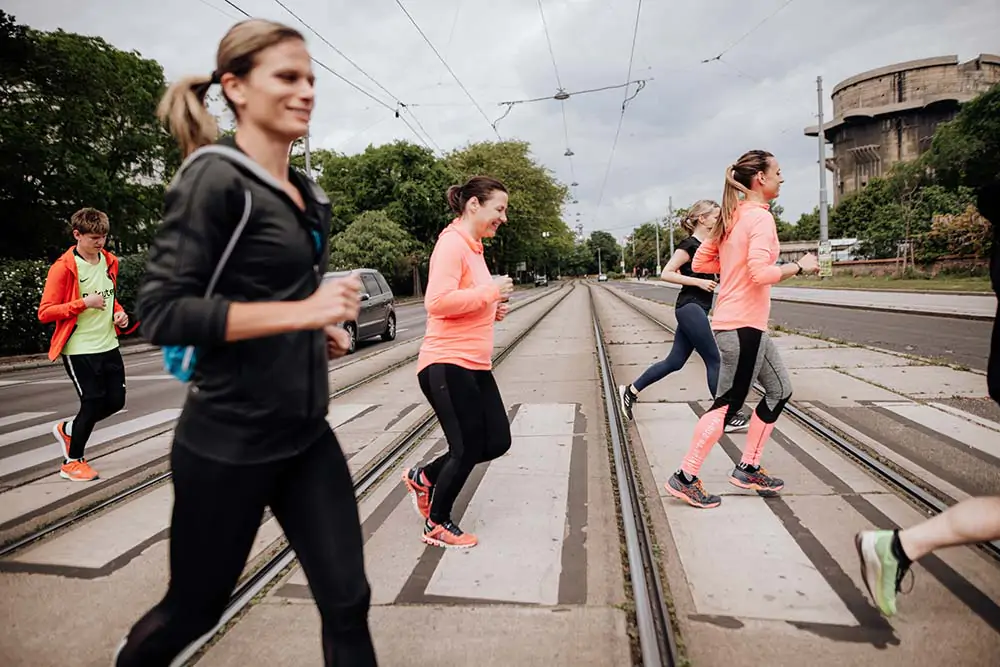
pixel 694 332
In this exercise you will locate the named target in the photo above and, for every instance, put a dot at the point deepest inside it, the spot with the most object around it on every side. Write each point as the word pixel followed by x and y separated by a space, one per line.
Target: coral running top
pixel 461 304
pixel 745 259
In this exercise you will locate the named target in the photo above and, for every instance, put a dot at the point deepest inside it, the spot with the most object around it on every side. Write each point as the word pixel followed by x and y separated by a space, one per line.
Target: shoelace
pixel 452 528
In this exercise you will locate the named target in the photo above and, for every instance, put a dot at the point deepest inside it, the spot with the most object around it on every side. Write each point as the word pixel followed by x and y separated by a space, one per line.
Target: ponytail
pixel 739 177
pixel 183 111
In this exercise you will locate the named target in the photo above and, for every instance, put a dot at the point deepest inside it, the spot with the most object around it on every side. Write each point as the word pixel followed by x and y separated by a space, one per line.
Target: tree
pixel 77 128
pixel 375 241
pixel 404 180
pixel 965 234
pixel 535 201
pixel 610 252
pixel 966 150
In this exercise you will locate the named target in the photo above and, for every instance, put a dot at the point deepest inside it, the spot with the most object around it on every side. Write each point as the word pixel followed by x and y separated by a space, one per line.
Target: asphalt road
pixel 957 341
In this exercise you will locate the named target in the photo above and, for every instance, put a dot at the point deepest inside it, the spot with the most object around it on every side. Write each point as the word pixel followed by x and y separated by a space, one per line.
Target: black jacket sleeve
pixel 201 212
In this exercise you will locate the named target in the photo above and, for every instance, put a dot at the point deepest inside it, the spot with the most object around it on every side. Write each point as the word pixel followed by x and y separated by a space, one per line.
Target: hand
pixel 809 263
pixel 502 311
pixel 336 301
pixel 121 319
pixel 338 341
pixel 505 284
pixel 94 300
pixel 708 285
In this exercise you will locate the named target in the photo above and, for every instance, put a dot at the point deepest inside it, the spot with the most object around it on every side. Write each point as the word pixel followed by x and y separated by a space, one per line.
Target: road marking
pixel 519 513
pixel 11 383
pixel 968 433
pixel 50 453
pixel 22 417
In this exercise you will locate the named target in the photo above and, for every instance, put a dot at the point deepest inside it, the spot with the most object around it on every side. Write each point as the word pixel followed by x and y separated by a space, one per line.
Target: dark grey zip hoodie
pixel 255 400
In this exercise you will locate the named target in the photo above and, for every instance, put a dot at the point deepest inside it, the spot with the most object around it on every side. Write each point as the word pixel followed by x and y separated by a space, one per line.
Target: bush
pixel 21 285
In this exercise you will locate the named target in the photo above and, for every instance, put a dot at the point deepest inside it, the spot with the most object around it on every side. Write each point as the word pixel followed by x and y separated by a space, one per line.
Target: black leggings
pixel 218 508
pixel 99 380
pixel 471 412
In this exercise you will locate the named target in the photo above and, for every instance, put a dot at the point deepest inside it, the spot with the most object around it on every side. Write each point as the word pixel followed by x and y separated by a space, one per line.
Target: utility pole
pixel 599 271
pixel 825 254
pixel 657 226
pixel 671 226
pixel 308 157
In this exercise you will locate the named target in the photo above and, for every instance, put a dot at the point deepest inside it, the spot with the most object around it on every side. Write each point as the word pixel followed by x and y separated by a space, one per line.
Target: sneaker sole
pixel 444 545
pixel 736 429
pixel 63 445
pixel 871 582
pixel 78 479
pixel 755 487
pixel 621 404
pixel 690 501
pixel 413 496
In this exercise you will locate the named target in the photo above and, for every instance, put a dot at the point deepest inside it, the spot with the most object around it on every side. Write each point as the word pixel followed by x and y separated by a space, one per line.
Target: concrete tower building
pixel 888 115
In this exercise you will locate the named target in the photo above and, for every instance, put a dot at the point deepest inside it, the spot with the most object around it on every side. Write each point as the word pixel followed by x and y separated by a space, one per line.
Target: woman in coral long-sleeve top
pixel 743 249
pixel 455 364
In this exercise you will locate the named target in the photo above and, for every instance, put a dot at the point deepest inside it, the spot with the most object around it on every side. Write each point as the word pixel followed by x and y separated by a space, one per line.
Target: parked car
pixel 378 308
pixel 603 278
pixel 541 281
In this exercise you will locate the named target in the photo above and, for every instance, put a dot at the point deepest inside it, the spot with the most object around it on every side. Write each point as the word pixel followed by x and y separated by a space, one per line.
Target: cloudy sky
pixel 678 133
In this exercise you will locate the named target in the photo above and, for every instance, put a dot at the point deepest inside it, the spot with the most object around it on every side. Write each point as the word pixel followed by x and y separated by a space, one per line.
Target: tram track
pixel 366 480
pixel 20 542
pixel 652 617
pixel 917 491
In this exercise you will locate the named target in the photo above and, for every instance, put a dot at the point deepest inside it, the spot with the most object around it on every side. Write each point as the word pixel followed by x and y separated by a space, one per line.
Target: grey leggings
pixel 749 354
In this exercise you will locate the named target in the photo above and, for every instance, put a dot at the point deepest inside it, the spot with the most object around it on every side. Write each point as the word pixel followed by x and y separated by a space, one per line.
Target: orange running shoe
pixel 447 535
pixel 416 482
pixel 78 471
pixel 63 438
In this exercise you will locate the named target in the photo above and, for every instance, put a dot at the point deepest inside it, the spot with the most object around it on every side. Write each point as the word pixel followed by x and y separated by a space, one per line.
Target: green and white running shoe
pixel 880 569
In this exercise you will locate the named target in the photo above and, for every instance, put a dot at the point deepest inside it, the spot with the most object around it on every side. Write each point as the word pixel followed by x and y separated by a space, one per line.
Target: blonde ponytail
pixel 183 111
pixel 739 176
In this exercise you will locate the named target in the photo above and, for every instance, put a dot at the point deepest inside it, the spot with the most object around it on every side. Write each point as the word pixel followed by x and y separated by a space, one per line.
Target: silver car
pixel 378 307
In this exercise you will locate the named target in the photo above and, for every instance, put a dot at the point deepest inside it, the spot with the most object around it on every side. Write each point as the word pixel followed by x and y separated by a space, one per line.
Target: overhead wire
pixel 621 116
pixel 345 80
pixel 749 32
pixel 399 103
pixel 559 86
pixel 448 67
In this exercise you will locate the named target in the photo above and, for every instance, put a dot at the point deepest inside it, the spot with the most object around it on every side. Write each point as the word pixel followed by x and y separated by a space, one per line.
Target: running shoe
pixel 420 490
pixel 755 479
pixel 627 398
pixel 693 493
pixel 738 422
pixel 78 471
pixel 63 438
pixel 447 535
pixel 880 569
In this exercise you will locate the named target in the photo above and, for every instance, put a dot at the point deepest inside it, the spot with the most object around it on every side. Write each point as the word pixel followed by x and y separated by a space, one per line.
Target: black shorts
pixel 96 376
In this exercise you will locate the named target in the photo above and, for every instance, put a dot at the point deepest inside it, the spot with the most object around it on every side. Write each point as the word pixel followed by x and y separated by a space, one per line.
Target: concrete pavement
pixel 962 306
pixel 945 339
pixel 546 585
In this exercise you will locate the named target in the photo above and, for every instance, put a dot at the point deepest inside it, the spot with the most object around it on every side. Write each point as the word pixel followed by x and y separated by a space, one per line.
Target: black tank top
pixel 690 293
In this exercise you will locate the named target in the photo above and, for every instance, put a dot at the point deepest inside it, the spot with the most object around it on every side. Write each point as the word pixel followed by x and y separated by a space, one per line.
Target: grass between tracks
pixel 893 284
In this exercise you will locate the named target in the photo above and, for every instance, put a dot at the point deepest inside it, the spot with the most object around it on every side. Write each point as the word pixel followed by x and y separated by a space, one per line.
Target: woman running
pixel 743 248
pixel 454 368
pixel 691 311
pixel 235 274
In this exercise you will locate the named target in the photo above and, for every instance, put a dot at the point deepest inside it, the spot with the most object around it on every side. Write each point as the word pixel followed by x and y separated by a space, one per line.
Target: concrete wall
pixel 889 115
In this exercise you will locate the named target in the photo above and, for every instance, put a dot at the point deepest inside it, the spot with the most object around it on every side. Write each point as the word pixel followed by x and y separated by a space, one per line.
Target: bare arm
pixel 672 274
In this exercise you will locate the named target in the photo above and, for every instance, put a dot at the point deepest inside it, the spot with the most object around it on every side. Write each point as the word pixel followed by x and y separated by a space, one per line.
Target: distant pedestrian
pixel 80 297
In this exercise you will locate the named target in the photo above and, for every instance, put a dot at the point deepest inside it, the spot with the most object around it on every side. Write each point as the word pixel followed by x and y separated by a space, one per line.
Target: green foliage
pixel 375 241
pixel 966 151
pixel 77 128
pixel 967 233
pixel 535 203
pixel 610 252
pixel 21 285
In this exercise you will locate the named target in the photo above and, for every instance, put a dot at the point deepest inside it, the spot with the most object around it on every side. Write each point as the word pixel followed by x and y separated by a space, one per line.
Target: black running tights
pixel 471 412
pixel 217 510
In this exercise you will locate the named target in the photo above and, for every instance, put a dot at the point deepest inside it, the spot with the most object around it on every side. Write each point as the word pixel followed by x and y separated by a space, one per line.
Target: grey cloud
pixel 678 133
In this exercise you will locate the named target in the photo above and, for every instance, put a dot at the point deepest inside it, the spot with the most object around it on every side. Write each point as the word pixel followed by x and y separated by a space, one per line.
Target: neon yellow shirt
pixel 95 329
